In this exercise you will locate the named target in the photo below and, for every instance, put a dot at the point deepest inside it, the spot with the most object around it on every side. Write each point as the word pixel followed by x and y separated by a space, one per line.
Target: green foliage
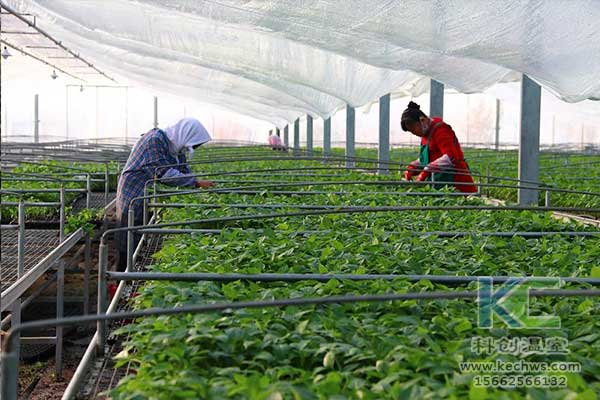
pixel 395 350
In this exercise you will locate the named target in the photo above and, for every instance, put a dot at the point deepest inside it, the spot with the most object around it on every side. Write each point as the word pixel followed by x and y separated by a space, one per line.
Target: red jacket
pixel 443 140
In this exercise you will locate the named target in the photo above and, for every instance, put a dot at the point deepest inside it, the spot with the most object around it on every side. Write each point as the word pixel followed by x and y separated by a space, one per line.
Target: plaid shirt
pixel 150 151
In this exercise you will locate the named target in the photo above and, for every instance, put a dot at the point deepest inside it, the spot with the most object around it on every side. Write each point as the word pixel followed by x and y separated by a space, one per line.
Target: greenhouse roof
pixel 280 59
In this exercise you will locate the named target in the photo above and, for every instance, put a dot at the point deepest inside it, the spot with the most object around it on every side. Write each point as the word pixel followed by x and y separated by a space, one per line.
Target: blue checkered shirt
pixel 150 152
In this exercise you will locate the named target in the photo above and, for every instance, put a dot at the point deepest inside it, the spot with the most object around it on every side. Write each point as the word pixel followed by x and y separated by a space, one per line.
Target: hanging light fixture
pixel 5 53
pixel 54 75
pixel 81 88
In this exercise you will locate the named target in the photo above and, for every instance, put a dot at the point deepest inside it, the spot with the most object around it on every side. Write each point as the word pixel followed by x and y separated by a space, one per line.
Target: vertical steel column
pixel 309 135
pixel 297 137
pixel 9 367
pixel 102 295
pixel 278 132
pixel 327 137
pixel 106 184
pixel 154 200
pixel 16 306
pixel 529 143
pixel 497 136
pixel 436 99
pixel 60 291
pixel 86 274
pixel 67 112
pixel 286 136
pixel 88 191
pixel 36 118
pixel 62 214
pixel 130 249
pixel 21 238
pixel 145 210
pixel 155 112
pixel 384 135
pixel 350 135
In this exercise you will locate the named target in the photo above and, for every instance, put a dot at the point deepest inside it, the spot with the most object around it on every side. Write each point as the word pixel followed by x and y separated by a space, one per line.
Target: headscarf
pixel 185 134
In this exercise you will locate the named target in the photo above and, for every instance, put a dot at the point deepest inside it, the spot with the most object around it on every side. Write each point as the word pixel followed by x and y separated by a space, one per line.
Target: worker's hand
pixel 411 170
pixel 204 184
pixel 423 176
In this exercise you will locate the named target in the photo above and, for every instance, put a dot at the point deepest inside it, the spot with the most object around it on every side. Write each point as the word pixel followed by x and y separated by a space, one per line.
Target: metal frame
pixel 106 311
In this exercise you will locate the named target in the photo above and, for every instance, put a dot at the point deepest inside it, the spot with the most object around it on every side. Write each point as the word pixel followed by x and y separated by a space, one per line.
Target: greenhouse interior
pixel 300 199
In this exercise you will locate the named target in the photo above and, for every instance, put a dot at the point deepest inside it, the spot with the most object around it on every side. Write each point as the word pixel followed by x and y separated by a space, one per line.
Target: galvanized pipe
pixel 130 237
pixel 439 234
pixel 355 210
pixel 62 214
pixel 86 273
pixel 88 193
pixel 292 277
pixel 102 296
pixel 60 291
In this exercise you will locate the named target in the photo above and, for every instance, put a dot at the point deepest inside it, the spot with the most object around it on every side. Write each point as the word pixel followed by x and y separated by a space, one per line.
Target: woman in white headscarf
pixel 161 154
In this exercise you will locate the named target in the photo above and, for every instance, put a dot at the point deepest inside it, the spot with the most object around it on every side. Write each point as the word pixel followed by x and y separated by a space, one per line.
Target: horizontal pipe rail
pixel 275 277
pixel 440 234
pixel 227 306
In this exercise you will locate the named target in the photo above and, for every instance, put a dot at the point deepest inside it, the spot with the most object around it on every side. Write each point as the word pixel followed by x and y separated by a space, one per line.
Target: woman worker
pixel 440 153
pixel 155 149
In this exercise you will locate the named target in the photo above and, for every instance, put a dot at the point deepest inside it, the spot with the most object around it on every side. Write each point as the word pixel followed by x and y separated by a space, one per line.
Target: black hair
pixel 412 113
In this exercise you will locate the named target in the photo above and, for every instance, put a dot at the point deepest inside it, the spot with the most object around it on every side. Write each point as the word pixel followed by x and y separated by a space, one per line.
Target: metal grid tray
pixel 96 201
pixel 38 244
pixel 104 376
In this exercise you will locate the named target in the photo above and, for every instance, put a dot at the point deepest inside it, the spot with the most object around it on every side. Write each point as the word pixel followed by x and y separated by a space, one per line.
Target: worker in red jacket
pixel 440 155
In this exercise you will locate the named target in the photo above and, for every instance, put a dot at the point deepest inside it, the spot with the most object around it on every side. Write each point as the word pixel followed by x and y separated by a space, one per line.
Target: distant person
pixel 275 143
pixel 440 152
pixel 157 148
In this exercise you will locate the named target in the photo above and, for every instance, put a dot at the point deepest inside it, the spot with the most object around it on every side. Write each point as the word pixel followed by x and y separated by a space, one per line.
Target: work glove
pixel 423 176
pixel 411 170
pixel 204 184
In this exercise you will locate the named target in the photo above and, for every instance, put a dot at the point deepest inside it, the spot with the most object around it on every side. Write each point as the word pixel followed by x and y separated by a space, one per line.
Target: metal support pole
pixel 106 184
pixel 286 136
pixel 297 137
pixel 350 134
pixel 154 190
pixel 155 112
pixel 436 99
pixel 67 112
pixel 16 306
pixel 86 274
pixel 547 201
pixel 309 135
pixel 130 249
pixel 497 136
pixel 327 136
pixel 145 210
pixel 102 295
pixel 384 135
pixel 487 180
pixel 60 292
pixel 529 143
pixel 36 118
pixel 9 367
pixel 62 214
pixel 88 191
pixel 21 239
pixel 278 132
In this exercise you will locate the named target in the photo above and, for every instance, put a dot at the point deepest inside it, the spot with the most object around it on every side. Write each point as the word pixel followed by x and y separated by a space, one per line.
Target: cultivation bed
pixel 104 375
pixel 38 244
